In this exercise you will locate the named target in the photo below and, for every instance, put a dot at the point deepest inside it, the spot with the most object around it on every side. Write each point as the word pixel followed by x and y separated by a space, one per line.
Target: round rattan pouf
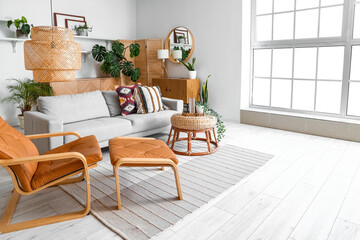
pixel 191 125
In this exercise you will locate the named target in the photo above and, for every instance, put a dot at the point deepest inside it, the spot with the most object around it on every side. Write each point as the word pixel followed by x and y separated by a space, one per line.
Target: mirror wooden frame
pixel 167 45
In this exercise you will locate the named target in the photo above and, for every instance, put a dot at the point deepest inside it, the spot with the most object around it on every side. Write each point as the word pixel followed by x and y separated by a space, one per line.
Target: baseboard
pixel 345 130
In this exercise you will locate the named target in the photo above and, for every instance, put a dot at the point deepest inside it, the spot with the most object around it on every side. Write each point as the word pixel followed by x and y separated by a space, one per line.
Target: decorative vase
pixel 192 74
pixel 21 121
pixel 20 34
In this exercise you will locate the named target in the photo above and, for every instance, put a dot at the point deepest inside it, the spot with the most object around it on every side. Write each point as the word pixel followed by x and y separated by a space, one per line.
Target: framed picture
pixel 60 19
pixel 184 33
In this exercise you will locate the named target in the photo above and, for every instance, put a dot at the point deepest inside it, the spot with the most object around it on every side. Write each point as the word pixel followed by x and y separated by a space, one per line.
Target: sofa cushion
pixel 126 98
pixel 148 99
pixel 113 102
pixel 74 108
pixel 102 128
pixel 145 122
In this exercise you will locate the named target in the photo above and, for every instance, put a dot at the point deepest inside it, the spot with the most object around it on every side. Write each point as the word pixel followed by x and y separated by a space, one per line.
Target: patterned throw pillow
pixel 148 99
pixel 126 97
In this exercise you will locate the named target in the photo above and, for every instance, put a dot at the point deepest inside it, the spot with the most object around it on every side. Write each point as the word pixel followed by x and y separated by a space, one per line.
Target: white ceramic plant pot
pixel 21 121
pixel 192 74
pixel 199 109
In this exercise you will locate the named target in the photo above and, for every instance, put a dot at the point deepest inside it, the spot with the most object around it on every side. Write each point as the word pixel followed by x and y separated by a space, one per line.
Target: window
pixel 306 56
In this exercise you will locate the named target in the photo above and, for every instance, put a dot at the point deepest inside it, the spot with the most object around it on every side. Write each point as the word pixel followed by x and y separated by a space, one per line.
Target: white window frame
pixel 346 40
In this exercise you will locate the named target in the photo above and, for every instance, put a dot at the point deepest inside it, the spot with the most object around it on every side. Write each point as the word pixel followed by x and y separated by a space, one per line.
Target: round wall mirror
pixel 180 44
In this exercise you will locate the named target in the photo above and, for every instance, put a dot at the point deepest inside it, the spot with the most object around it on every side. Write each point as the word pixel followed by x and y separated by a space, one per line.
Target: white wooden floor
pixel 309 190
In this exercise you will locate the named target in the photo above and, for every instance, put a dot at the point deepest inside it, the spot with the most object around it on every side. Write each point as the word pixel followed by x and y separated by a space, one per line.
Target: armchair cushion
pixel 14 144
pixel 51 170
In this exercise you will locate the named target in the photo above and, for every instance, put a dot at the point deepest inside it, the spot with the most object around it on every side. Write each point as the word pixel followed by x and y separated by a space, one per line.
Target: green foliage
pixel 185 53
pixel 189 66
pixel 25 92
pixel 82 28
pixel 220 126
pixel 114 60
pixel 20 24
pixel 134 50
pixel 204 92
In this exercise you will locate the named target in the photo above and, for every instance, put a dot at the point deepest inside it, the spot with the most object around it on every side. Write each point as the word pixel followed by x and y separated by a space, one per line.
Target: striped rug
pixel 149 197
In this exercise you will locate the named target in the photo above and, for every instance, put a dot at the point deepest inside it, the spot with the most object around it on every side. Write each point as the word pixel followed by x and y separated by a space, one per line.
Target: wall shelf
pixel 181 45
pixel 13 41
pixel 107 40
pixel 85 53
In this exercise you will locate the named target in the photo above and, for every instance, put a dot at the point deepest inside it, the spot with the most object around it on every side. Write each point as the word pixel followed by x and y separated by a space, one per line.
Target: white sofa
pixel 93 113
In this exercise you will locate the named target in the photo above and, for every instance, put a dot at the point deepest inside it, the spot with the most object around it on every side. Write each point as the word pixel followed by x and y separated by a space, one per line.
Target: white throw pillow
pixel 148 99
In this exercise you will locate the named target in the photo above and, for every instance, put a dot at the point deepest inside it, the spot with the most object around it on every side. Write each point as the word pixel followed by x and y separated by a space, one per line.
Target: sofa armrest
pixel 36 122
pixel 174 104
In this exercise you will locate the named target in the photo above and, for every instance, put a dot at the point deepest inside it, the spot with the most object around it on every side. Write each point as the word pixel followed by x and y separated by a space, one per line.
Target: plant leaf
pixel 98 52
pixel 25 28
pixel 17 23
pixel 114 70
pixel 118 49
pixel 9 23
pixel 126 68
pixel 134 50
pixel 135 74
pixel 23 19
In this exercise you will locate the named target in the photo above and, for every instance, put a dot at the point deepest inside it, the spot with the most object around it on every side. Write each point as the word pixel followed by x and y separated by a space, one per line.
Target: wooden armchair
pixel 31 172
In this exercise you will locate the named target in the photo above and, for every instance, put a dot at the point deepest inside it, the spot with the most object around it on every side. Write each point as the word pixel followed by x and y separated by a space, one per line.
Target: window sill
pixel 304 115
pixel 346 129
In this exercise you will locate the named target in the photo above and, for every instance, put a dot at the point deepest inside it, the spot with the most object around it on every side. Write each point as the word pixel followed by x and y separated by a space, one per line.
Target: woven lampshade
pixel 52 54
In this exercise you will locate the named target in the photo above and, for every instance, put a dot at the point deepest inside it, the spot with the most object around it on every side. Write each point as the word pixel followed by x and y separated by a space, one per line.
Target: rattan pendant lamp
pixel 52 54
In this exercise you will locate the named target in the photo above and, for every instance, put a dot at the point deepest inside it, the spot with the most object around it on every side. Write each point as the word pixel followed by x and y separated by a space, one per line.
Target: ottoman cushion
pixel 139 148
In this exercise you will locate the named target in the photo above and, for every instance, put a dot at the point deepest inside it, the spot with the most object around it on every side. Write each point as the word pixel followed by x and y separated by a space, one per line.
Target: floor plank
pixel 322 213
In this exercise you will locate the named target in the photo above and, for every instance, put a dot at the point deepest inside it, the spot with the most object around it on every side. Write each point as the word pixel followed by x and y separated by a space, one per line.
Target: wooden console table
pixel 179 88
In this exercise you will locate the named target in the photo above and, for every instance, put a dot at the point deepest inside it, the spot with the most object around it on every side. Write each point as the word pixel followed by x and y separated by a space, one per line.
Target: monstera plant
pixel 114 61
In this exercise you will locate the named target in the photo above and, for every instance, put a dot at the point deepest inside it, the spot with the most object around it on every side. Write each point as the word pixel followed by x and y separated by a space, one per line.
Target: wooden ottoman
pixel 141 152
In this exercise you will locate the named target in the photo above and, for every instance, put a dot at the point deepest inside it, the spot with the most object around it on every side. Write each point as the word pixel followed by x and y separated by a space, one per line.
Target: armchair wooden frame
pixel 5 225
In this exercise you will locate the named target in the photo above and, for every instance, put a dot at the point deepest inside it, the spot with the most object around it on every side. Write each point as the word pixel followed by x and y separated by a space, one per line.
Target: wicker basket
pixel 193 122
pixel 52 54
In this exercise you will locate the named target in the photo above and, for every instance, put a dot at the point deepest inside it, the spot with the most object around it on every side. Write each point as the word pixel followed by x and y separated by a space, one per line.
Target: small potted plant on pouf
pixel 22 27
pixel 24 94
pixel 82 30
pixel 191 68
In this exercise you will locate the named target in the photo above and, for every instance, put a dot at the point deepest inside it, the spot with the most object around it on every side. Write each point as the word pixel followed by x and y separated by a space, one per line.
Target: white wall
pixel 216 26
pixel 109 18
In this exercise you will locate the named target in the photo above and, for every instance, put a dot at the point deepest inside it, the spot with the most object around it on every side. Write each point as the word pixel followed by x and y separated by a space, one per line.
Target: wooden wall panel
pixel 154 65
pixel 88 85
pixel 141 62
pixel 64 88
pixel 108 84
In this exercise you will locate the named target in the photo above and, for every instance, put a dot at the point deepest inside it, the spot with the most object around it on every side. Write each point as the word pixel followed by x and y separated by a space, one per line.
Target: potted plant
pixel 181 39
pixel 82 30
pixel 191 68
pixel 24 94
pixel 22 27
pixel 115 62
pixel 203 107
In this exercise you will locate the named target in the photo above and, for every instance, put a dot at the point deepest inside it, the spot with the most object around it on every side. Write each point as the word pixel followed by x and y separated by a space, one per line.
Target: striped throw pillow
pixel 148 99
